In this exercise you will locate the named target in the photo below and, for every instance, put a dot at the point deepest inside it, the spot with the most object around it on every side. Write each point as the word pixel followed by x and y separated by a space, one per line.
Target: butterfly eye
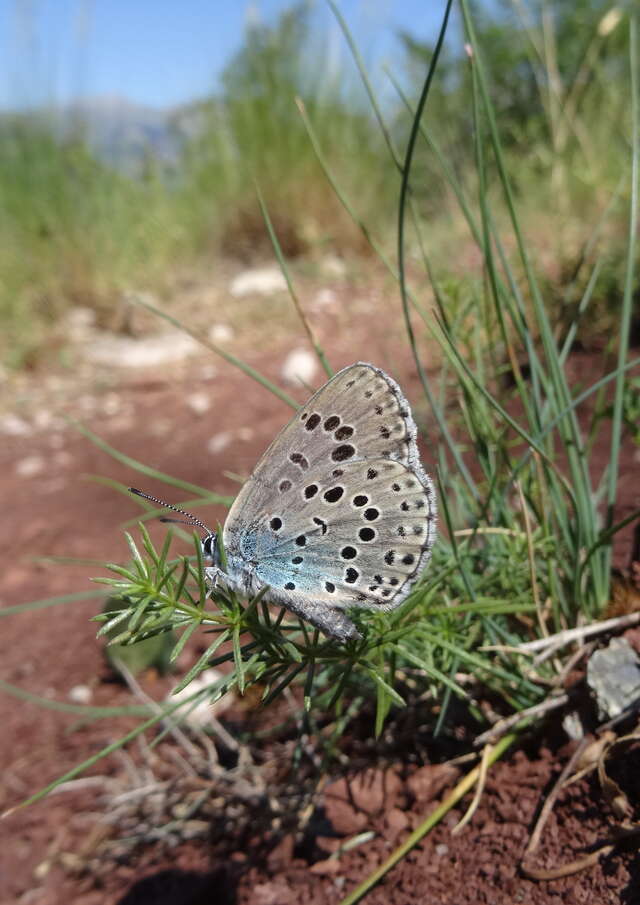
pixel 209 546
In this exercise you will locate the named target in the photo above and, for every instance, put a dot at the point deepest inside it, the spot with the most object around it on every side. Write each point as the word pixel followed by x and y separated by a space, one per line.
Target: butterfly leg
pixel 211 576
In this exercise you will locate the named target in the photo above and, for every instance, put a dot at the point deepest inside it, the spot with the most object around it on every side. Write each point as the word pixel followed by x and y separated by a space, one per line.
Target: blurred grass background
pixel 79 227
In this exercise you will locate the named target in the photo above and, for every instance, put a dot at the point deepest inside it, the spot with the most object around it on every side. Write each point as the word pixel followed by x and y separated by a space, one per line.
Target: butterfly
pixel 338 512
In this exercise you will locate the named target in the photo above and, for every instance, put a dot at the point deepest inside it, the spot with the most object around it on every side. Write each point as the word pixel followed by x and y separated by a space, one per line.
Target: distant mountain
pixel 121 132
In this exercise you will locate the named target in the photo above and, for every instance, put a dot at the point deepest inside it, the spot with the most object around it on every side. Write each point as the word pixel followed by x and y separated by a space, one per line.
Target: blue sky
pixel 163 52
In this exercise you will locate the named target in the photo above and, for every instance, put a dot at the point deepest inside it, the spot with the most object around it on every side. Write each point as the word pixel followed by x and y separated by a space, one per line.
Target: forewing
pixel 361 413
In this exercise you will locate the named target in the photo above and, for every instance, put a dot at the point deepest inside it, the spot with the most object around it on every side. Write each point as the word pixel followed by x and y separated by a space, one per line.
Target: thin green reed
pixel 629 281
pixel 559 395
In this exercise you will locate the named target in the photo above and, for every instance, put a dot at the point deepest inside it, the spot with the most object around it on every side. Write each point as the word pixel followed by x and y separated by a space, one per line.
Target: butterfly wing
pixel 339 511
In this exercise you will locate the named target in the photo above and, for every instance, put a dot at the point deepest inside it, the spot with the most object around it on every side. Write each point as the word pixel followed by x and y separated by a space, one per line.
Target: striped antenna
pixel 195 522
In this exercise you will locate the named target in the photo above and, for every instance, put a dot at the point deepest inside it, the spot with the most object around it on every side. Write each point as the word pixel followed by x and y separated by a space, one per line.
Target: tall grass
pixel 75 230
pixel 254 132
pixel 553 74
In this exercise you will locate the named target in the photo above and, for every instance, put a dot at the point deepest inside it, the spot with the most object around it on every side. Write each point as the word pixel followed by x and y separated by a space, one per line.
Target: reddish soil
pixel 49 852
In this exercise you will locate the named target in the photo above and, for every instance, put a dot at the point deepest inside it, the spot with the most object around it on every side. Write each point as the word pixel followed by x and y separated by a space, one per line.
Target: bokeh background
pixel 132 137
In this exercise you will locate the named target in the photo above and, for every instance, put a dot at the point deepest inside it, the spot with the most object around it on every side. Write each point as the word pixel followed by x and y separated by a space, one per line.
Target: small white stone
pixel 14 426
pixel 79 323
pixel 442 849
pixel 80 694
pixel 200 716
pixel 300 366
pixel 125 352
pixel 333 266
pixel 30 466
pixel 219 442
pixel 220 333
pixel 324 298
pixel 572 725
pixel 258 281
pixel 111 404
pixel 45 421
pixel 198 403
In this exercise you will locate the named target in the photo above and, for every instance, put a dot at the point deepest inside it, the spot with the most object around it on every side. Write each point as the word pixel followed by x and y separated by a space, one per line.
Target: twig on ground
pixel 194 755
pixel 578 634
pixel 572 662
pixel 566 870
pixel 550 703
pixel 547 807
pixel 86 782
pixel 130 794
pixel 483 768
pixel 176 732
pixel 605 738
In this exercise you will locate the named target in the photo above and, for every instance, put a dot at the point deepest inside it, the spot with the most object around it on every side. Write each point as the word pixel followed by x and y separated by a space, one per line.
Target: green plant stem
pixel 627 301
pixel 292 292
pixel 232 359
pixel 404 194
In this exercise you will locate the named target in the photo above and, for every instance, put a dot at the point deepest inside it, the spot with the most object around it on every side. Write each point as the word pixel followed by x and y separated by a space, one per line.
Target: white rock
pixel 324 298
pixel 333 266
pixel 300 366
pixel 198 403
pixel 43 419
pixel 613 676
pixel 14 426
pixel 30 466
pixel 200 716
pixel 111 404
pixel 572 725
pixel 125 352
pixel 219 442
pixel 79 323
pixel 258 281
pixel 80 694
pixel 220 333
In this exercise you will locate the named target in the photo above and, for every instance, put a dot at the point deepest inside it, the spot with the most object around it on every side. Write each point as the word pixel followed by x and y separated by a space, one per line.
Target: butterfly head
pixel 210 548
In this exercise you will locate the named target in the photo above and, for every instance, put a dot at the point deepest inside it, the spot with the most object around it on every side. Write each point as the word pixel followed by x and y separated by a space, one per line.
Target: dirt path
pixel 198 420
